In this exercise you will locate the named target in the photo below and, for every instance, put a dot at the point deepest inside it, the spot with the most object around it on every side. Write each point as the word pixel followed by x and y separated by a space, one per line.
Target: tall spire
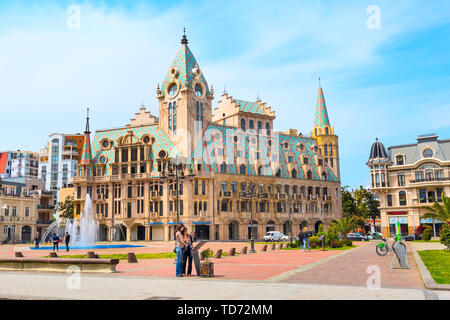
pixel 184 40
pixel 321 119
pixel 87 122
pixel 86 155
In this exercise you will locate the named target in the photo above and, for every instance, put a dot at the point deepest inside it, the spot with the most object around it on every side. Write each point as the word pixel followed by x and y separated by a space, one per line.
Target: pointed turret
pixel 321 119
pixel 184 71
pixel 86 156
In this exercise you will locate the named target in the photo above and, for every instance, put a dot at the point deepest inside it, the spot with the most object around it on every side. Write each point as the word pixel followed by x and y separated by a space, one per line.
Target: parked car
pixel 284 237
pixel 273 236
pixel 375 236
pixel 356 236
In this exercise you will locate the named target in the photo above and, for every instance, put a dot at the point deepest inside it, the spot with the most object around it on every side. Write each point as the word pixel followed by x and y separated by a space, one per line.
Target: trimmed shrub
pixel 205 254
pixel 445 235
pixel 314 241
pixel 336 244
pixel 331 235
pixel 347 243
pixel 426 235
pixel 295 244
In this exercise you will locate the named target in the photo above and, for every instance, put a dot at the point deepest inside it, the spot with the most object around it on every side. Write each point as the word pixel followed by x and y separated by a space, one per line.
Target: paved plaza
pixel 272 275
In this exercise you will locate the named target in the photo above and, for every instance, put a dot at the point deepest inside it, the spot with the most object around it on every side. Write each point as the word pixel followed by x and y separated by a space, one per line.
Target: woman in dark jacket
pixel 187 253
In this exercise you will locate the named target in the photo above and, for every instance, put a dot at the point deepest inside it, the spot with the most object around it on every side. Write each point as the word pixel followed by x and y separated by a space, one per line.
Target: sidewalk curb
pixel 285 275
pixel 428 280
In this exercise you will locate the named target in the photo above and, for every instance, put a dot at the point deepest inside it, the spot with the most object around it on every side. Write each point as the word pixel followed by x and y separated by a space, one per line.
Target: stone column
pixel 147 233
pixel 128 233
pixel 166 232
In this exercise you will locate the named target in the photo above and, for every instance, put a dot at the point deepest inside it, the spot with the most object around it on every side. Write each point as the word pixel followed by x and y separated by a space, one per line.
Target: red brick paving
pixel 351 269
pixel 258 266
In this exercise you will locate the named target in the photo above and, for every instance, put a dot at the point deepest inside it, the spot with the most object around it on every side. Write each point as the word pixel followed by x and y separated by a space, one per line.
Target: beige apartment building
pixel 408 178
pixel 130 172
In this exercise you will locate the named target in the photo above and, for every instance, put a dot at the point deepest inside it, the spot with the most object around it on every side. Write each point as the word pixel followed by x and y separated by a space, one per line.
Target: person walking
pixel 307 234
pixel 187 253
pixel 36 240
pixel 301 238
pixel 67 240
pixel 179 237
pixel 55 240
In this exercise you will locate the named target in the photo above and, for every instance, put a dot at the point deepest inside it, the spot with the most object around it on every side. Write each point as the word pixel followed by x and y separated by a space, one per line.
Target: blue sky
pixel 390 83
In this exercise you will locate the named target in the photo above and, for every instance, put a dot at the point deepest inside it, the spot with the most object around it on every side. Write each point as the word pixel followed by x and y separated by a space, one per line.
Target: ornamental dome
pixel 378 151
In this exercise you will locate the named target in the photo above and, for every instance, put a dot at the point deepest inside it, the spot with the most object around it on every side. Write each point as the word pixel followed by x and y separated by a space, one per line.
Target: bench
pixel 58 264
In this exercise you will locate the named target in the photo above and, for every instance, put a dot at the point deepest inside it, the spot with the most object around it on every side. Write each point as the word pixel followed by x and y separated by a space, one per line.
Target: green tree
pixel 65 209
pixel 345 225
pixel 348 203
pixel 366 205
pixel 438 211
pixel 445 235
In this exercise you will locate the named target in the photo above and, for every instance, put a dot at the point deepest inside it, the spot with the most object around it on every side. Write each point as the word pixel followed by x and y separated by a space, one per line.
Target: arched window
pixel 294 173
pixel 260 171
pixel 267 128
pixel 402 198
pixel 259 126
pixel 377 180
pixel 174 112
pixel 170 115
pixel 331 150
pixel 383 182
pixel 278 172
pixel 429 175
pixel 326 130
pixel 325 150
pixel 251 125
pixel 315 132
pixel 223 168
pixel 324 176
pixel 309 174
pixel 243 125
pixel 242 169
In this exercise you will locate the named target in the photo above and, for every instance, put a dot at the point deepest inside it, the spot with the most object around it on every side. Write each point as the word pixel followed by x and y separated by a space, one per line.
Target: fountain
pixel 83 232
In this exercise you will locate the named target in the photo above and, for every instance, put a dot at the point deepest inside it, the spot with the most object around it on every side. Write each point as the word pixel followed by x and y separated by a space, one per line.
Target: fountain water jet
pixel 84 231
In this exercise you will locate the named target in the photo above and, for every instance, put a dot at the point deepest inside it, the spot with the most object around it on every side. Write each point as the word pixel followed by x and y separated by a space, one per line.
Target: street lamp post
pixel 250 192
pixel 289 201
pixel 178 165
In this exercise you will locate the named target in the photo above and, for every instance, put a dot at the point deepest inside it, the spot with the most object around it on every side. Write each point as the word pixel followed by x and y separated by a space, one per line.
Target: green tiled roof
pixel 184 62
pixel 252 107
pixel 321 119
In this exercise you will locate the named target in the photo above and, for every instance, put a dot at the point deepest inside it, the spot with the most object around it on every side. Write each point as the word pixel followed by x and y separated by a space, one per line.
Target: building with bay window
pixel 408 178
pixel 129 173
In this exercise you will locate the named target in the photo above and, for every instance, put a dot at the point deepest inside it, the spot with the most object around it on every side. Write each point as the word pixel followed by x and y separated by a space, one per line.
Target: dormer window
pixel 172 89
pixel 172 118
pixel 427 153
pixel 198 90
pixel 399 160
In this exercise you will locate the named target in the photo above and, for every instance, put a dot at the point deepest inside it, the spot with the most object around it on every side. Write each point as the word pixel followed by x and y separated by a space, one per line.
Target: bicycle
pixel 383 248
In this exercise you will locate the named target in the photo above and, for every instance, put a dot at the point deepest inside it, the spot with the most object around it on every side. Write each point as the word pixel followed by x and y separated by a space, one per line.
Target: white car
pixel 284 238
pixel 273 236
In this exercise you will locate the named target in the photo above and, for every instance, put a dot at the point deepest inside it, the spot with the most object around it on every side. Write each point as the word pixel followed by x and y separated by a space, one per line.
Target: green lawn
pixel 121 256
pixel 438 263
pixel 427 241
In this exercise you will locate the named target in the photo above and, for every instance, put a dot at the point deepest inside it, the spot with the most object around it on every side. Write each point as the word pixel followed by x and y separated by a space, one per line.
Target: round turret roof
pixel 378 151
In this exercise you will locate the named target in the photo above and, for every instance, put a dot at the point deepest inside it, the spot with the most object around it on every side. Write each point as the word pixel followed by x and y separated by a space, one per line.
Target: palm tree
pixel 438 211
pixel 345 225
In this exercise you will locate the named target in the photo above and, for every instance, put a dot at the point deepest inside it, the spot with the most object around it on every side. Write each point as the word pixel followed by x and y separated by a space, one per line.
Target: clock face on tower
pixel 198 90
pixel 172 89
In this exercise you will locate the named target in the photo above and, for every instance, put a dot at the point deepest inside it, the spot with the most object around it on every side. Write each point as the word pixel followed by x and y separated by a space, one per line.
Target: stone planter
pixel 207 269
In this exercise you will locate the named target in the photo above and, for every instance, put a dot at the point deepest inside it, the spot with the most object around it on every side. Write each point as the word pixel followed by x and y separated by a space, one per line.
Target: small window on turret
pixel 326 130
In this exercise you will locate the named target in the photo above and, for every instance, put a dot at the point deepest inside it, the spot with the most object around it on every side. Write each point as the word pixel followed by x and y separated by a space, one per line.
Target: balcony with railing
pixel 225 194
pixel 430 179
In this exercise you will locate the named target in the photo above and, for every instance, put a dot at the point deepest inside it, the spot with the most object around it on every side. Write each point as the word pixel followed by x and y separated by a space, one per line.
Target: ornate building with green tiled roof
pixel 237 176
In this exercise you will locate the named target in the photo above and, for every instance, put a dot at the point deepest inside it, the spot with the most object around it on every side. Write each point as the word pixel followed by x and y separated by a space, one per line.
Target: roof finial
pixel 320 86
pixel 184 40
pixel 257 96
pixel 87 122
pixel 224 90
pixel 376 138
pixel 142 104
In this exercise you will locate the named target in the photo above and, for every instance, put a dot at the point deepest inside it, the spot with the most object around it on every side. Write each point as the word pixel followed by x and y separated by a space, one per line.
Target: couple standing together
pixel 303 237
pixel 183 249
